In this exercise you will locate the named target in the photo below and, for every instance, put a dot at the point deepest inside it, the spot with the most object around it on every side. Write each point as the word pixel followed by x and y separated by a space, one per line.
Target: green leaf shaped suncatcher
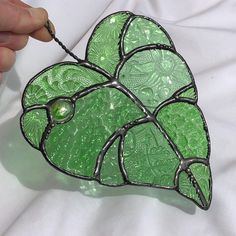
pixel 126 115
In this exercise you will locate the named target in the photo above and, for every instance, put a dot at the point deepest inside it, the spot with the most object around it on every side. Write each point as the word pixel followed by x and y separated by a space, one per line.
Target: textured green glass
pixel 190 93
pixel 154 76
pixel 34 123
pixel 61 110
pixel 196 184
pixel 103 48
pixel 60 80
pixel 187 188
pixel 148 158
pixel 184 125
pixel 143 32
pixel 95 119
pixel 75 145
pixel 110 171
pixel 203 177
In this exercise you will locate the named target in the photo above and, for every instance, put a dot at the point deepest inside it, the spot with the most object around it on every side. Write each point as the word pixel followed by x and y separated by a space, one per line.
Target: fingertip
pixel 21 42
pixel 43 33
pixel 7 59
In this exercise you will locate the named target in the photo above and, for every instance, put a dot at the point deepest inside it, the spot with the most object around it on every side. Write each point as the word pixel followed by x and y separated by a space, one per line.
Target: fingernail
pixel 4 37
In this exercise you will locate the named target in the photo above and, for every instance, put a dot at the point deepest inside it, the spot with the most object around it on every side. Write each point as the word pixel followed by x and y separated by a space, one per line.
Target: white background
pixel 37 200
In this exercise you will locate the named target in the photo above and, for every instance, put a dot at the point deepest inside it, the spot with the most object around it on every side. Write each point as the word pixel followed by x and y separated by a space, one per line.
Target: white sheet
pixel 37 200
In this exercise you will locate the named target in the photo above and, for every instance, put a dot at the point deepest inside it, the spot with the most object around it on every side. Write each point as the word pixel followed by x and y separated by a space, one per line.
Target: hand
pixel 18 21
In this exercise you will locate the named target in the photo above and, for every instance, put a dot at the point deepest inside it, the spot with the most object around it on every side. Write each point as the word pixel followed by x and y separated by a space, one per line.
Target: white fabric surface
pixel 37 200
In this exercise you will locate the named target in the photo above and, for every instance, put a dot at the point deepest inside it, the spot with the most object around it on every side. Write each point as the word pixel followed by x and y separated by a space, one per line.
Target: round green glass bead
pixel 62 110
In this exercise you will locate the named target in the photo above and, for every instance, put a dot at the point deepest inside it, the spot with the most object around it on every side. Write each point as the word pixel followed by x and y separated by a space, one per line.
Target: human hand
pixel 18 21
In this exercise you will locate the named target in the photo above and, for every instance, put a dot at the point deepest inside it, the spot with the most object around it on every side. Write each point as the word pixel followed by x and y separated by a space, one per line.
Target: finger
pixel 13 41
pixel 7 59
pixel 21 20
pixel 43 34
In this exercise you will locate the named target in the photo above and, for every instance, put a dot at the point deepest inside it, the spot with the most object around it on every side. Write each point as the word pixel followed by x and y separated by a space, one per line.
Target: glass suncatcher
pixel 126 115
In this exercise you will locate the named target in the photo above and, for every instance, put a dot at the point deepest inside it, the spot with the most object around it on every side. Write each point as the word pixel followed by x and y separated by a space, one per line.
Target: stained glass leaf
pixel 154 75
pixel 63 79
pixel 125 115
pixel 34 123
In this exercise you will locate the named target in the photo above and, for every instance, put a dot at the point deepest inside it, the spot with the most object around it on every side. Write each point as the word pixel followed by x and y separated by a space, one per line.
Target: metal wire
pixel 48 27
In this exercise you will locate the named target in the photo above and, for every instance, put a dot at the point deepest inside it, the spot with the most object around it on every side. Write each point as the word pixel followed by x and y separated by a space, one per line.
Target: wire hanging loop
pixel 48 27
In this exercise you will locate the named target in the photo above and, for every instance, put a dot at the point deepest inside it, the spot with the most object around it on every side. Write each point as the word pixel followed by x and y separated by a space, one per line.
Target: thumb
pixel 21 20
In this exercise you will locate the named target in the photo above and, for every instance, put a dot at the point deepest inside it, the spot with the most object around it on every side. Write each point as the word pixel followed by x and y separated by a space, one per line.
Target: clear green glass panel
pixel 203 177
pixel 34 123
pixel 75 145
pixel 190 93
pixel 144 32
pixel 187 188
pixel 148 158
pixel 110 172
pixel 154 76
pixel 60 80
pixel 184 124
pixel 103 49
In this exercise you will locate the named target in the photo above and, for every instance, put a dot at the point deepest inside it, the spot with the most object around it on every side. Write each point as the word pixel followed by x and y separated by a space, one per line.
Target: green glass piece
pixel 195 184
pixel 154 76
pixel 61 110
pixel 142 32
pixel 187 189
pixel 60 80
pixel 110 172
pixel 148 157
pixel 184 124
pixel 33 124
pixel 75 145
pixel 203 177
pixel 190 93
pixel 103 47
